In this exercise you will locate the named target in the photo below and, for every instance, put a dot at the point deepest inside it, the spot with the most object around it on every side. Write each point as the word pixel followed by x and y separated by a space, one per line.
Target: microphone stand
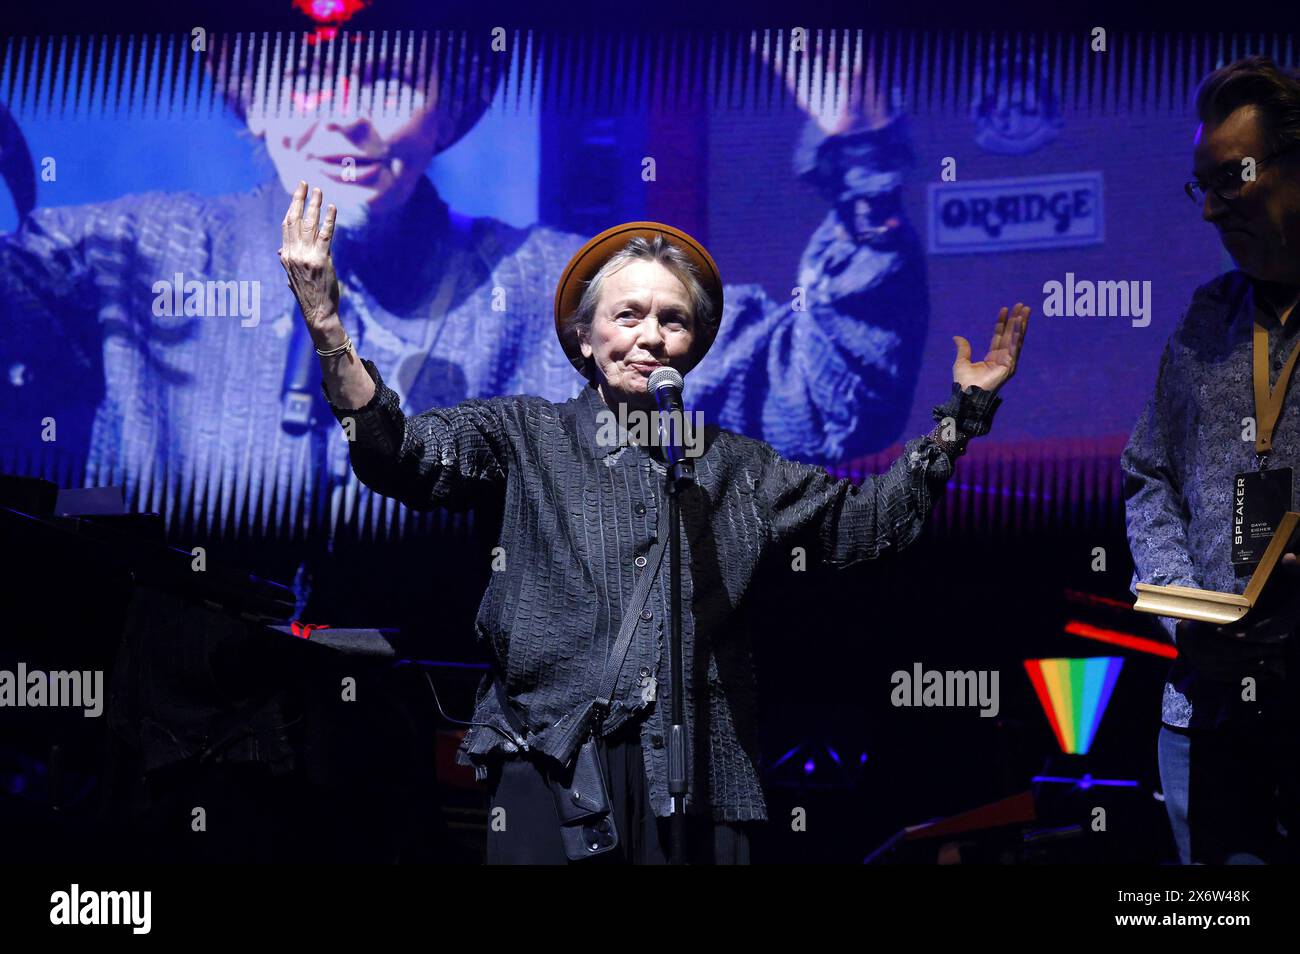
pixel 681 472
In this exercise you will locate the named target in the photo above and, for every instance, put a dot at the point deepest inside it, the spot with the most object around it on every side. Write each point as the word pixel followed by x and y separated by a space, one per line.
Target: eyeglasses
pixel 1227 183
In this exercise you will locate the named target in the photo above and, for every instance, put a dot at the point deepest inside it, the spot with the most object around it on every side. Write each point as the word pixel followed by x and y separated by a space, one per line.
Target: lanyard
pixel 1268 401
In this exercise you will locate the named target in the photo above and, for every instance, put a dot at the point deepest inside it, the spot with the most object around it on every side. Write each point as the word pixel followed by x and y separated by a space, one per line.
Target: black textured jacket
pixel 577 517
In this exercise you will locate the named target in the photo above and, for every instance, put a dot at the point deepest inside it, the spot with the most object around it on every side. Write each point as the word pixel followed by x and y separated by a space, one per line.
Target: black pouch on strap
pixel 583 804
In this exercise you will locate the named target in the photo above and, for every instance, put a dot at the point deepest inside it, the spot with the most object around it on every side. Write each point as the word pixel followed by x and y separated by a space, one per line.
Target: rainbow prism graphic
pixel 1074 693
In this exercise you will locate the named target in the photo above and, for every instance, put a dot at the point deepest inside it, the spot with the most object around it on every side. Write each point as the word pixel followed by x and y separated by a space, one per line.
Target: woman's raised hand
pixel 305 255
pixel 1004 352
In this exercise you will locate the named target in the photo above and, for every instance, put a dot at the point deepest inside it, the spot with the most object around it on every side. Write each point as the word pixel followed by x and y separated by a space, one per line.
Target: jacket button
pixel 646 614
pixel 639 510
pixel 657 741
pixel 640 561
pixel 644 671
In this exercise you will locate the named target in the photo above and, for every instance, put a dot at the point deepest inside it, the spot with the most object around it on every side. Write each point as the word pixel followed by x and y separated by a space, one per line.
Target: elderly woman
pixel 583 515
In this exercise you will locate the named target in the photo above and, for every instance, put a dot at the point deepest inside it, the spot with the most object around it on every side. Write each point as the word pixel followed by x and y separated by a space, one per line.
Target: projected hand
pixel 305 255
pixel 847 104
pixel 1004 352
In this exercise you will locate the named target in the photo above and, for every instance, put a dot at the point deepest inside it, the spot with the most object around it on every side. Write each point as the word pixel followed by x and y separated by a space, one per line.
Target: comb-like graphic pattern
pixel 608 72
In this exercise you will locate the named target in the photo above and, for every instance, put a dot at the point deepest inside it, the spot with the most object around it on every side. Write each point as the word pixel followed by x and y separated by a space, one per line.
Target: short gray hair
pixel 671 257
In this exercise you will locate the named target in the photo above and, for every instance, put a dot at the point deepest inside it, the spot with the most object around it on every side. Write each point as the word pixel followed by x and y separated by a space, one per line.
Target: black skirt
pixel 531 834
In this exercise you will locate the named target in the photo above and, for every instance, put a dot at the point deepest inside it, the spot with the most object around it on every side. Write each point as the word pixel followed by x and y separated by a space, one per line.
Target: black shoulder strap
pixel 616 655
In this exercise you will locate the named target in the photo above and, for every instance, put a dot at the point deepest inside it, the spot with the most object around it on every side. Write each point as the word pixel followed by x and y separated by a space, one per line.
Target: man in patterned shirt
pixel 1228 740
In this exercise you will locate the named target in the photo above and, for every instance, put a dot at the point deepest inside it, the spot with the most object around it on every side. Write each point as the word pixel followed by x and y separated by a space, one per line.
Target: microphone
pixel 666 385
pixel 296 392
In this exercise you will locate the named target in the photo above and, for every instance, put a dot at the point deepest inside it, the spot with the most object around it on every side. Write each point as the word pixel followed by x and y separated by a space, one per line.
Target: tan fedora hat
pixel 583 266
